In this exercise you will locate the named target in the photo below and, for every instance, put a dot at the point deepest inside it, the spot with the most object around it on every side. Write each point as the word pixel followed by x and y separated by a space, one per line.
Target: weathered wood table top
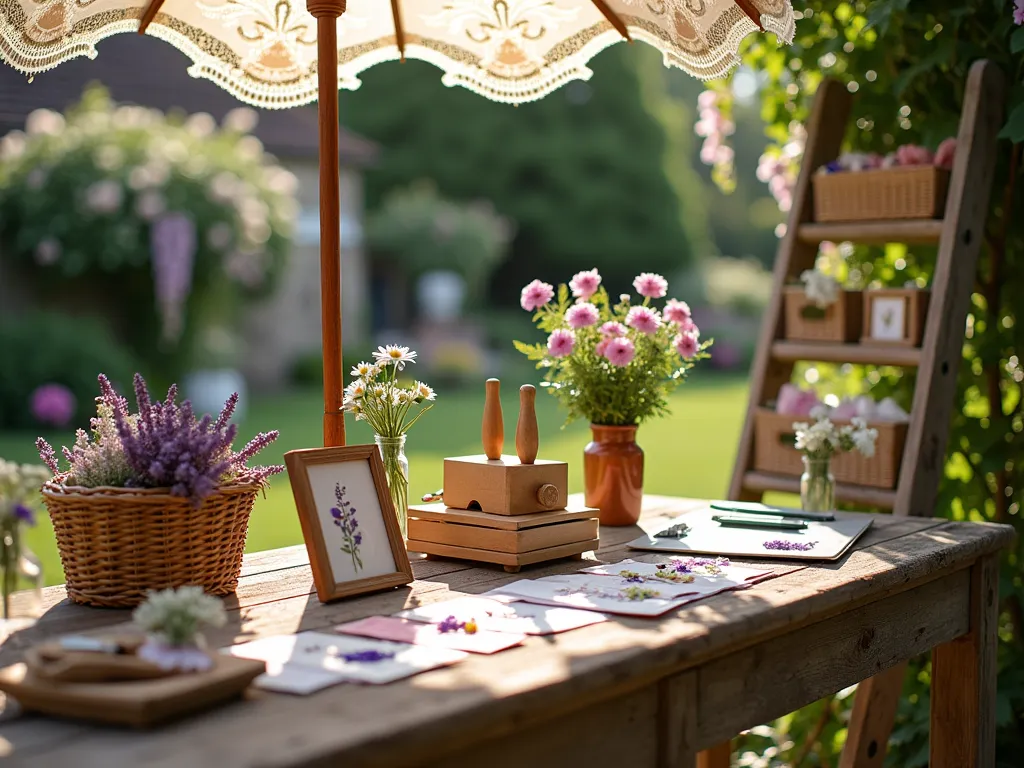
pixel 629 692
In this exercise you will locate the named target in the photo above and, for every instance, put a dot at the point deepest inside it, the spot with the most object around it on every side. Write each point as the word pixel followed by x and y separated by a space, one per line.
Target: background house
pixel 146 72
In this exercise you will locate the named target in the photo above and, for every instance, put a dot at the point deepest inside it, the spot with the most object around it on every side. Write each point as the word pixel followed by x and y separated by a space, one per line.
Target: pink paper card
pixel 431 635
pixel 498 616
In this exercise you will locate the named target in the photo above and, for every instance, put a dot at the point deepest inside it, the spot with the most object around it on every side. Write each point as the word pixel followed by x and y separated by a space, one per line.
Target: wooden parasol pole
pixel 327 13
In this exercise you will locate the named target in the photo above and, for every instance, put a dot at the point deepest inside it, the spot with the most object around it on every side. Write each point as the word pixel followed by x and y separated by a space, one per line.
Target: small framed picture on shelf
pixel 348 521
pixel 895 316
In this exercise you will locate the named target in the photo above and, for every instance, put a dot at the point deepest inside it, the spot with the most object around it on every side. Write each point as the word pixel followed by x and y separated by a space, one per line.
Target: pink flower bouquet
pixel 611 363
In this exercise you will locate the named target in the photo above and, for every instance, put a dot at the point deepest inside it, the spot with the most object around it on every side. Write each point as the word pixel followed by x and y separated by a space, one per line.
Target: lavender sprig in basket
pixel 152 500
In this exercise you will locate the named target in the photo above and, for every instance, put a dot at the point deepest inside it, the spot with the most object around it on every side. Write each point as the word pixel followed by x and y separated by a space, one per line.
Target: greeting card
pixel 451 632
pixel 514 617
pixel 353 659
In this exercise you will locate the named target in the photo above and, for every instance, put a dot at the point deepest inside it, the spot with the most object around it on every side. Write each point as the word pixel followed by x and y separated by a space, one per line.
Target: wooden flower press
pixel 508 510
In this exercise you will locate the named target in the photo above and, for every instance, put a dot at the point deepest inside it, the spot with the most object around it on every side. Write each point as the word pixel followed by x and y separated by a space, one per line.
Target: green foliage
pixel 80 197
pixel 43 348
pixel 425 232
pixel 579 172
pixel 908 62
pixel 589 386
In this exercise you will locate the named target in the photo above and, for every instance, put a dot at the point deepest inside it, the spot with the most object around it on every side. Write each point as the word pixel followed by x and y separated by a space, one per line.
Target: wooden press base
pixel 137 703
pixel 511 561
pixel 509 540
pixel 505 486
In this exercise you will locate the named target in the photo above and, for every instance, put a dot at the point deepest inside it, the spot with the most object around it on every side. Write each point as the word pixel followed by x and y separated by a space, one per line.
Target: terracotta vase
pixel 613 472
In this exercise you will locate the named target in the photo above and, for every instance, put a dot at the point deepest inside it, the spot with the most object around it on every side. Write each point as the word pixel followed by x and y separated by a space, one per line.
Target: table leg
pixel 963 725
pixel 716 757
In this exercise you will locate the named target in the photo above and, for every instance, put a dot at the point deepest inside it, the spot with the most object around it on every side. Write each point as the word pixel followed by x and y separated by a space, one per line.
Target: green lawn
pixel 688 454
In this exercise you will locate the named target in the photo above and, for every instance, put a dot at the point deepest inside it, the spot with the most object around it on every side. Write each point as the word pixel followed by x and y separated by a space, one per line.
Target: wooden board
pixel 832 539
pixel 526 540
pixel 138 703
pixel 504 486
pixel 442 514
pixel 508 559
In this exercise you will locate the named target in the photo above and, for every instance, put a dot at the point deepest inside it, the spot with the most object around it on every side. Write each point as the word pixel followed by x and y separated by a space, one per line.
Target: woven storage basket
pixel 840 321
pixel 774 451
pixel 908 192
pixel 116 544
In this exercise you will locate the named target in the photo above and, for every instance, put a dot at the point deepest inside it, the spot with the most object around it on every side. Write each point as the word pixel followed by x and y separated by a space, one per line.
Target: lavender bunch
pixel 164 445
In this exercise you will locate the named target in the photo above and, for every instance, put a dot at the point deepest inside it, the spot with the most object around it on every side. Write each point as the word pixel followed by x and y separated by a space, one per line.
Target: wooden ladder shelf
pixel 958 236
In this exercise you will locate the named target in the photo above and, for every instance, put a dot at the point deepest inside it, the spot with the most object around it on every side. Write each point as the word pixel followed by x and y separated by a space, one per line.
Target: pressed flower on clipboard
pixel 344 517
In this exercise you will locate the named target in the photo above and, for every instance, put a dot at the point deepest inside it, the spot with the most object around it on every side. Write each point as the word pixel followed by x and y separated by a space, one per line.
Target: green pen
pixel 760 521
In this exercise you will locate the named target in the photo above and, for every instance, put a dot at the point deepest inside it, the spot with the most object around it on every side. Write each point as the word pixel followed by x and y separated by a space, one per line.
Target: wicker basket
pixel 908 192
pixel 774 451
pixel 840 321
pixel 116 544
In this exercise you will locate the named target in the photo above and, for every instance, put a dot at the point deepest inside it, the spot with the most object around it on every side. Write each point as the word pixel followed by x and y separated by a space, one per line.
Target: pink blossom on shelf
pixel 686 345
pixel 620 351
pixel 53 404
pixel 601 349
pixel 611 329
pixel 650 285
pixel 582 315
pixel 1018 12
pixel 793 401
pixel 536 295
pixel 947 149
pixel 560 343
pixel 584 284
pixel 912 154
pixel 677 312
pixel 644 319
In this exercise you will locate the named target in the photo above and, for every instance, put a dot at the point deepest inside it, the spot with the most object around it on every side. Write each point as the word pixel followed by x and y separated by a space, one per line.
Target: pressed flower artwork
pixel 344 515
pixel 348 520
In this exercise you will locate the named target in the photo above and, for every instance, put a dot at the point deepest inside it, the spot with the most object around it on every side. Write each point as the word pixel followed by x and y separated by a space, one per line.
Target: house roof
pixel 151 73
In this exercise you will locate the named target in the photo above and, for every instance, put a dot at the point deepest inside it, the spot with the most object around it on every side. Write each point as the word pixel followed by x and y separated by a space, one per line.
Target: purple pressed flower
pixel 24 514
pixel 345 519
pixel 789 546
pixel 53 404
pixel 450 624
pixel 367 656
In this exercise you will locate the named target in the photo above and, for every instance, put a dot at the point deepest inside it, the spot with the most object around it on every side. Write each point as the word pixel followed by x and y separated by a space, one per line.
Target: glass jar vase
pixel 396 468
pixel 817 485
pixel 20 571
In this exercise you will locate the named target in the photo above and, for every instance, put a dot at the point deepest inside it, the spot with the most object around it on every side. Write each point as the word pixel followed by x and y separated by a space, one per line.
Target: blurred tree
pixel 581 172
pixel 907 62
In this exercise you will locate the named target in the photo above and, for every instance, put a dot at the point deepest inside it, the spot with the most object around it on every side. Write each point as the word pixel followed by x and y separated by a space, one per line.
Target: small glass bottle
pixel 817 485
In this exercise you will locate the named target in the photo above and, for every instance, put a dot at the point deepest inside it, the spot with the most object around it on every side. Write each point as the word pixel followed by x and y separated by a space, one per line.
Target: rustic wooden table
pixel 627 693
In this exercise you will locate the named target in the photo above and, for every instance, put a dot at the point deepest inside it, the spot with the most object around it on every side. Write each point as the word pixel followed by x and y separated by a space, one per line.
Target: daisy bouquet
pixel 377 397
pixel 611 361
pixel 823 438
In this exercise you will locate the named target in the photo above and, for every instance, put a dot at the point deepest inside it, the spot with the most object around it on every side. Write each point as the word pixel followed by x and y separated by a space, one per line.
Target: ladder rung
pixel 895 231
pixel 852 494
pixel 860 354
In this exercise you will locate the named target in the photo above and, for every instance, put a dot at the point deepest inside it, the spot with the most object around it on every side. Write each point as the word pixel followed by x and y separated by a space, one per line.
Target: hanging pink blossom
pixel 677 312
pixel 620 352
pixel 560 343
pixel 644 319
pixel 651 285
pixel 686 345
pixel 1018 12
pixel 585 284
pixel 536 295
pixel 173 243
pixel 611 329
pixel 582 315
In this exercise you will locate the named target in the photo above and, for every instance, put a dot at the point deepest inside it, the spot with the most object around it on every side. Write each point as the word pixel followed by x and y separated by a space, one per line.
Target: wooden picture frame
pixel 908 308
pixel 339 545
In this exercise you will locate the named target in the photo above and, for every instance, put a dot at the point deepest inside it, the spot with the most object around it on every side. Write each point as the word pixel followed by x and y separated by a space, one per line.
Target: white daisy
pixel 423 391
pixel 363 371
pixel 394 354
pixel 356 389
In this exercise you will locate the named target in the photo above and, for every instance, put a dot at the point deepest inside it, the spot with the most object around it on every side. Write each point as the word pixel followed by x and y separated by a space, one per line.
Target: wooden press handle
pixel 526 430
pixel 493 432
